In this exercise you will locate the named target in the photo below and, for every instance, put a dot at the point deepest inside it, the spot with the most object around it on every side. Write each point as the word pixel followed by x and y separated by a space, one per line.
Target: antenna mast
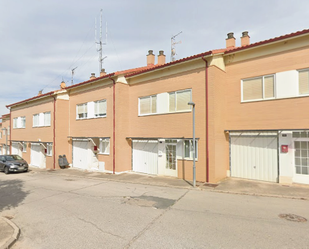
pixel 100 43
pixel 72 75
pixel 173 43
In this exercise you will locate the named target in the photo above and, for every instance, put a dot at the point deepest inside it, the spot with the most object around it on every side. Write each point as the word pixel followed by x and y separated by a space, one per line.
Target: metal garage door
pixel 36 155
pixel 80 154
pixel 145 156
pixel 16 149
pixel 254 156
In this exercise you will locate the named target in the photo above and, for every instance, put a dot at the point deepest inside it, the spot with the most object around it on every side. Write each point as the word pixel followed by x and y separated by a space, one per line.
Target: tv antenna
pixel 173 48
pixel 72 75
pixel 100 43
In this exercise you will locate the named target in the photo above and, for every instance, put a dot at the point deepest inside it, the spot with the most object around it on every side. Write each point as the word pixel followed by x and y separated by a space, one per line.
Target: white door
pixel 36 155
pixel 301 161
pixel 171 157
pixel 80 154
pixel 145 156
pixel 254 157
pixel 16 149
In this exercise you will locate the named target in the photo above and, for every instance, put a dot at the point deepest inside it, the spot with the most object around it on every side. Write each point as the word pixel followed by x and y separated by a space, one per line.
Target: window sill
pixel 91 118
pixel 41 126
pixel 106 154
pixel 163 113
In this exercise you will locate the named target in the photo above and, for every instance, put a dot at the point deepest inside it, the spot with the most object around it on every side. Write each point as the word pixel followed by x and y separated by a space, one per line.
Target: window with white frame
pixel 148 105
pixel 258 88
pixel 0 134
pixel 100 108
pixel 49 149
pixel 188 149
pixel 8 130
pixel 82 111
pixel 178 101
pixel 303 82
pixel 93 109
pixel 42 119
pixel 19 122
pixel 24 147
pixel 104 146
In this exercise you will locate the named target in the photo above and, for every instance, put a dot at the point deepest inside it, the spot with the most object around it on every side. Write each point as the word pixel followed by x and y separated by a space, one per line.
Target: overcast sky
pixel 41 41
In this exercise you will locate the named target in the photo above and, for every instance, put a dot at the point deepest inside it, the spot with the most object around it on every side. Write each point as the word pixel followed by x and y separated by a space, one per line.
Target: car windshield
pixel 12 158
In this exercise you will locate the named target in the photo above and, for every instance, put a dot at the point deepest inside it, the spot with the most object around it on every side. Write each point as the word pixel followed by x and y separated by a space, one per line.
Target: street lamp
pixel 194 173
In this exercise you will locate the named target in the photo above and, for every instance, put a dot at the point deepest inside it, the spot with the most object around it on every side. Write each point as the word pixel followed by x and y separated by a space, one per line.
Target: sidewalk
pixel 9 231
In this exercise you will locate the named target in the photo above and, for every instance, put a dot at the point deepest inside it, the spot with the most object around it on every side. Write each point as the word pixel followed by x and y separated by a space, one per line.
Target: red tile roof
pixel 90 81
pixel 283 37
pixel 30 99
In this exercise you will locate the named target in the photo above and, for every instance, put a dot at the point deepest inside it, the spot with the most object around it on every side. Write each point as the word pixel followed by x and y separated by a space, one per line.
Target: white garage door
pixel 80 154
pixel 16 149
pixel 145 156
pixel 36 155
pixel 254 156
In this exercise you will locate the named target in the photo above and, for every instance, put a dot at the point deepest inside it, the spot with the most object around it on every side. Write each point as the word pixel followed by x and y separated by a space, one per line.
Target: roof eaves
pixel 170 63
pixel 31 99
pixel 280 38
pixel 90 81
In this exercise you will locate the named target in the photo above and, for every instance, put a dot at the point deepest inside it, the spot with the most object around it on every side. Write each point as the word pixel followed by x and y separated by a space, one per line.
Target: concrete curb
pixel 14 237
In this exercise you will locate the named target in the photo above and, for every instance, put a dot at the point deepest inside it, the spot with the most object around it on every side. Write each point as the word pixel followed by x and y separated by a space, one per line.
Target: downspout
pixel 207 138
pixel 114 123
pixel 54 133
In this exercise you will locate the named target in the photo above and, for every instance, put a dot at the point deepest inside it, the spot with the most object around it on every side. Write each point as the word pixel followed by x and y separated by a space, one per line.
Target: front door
pixel 301 161
pixel 171 157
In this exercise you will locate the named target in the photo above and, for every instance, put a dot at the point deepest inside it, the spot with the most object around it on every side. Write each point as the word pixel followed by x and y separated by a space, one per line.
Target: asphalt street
pixel 59 211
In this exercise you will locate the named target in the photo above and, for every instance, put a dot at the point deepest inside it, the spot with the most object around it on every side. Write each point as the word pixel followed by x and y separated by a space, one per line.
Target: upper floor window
pixel 148 105
pixel 82 111
pixel 100 108
pixel 91 109
pixel 0 134
pixel 41 119
pixel 19 122
pixel 258 88
pixel 178 101
pixel 303 82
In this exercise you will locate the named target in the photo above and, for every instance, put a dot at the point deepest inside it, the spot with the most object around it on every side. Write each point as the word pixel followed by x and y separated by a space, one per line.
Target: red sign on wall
pixel 284 148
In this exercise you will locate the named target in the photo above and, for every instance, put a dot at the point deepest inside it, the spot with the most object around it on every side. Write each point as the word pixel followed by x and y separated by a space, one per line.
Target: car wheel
pixel 26 170
pixel 6 170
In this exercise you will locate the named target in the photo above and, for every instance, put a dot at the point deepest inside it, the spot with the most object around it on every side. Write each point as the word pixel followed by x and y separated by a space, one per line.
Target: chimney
pixel 161 58
pixel 245 39
pixel 102 73
pixel 92 76
pixel 150 58
pixel 40 92
pixel 230 41
pixel 62 85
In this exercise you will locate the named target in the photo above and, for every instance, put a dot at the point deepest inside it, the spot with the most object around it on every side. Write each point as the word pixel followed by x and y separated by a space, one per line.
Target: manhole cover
pixel 292 217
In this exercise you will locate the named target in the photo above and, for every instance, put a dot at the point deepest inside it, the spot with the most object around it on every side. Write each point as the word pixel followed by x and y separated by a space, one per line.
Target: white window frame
pixel 97 114
pixel 104 150
pixel 190 157
pixel 263 86
pixel 0 134
pixel 151 97
pixel 24 147
pixel 39 119
pixel 36 120
pixel 85 113
pixel 299 71
pixel 49 149
pixel 19 122
pixel 175 101
pixel 48 121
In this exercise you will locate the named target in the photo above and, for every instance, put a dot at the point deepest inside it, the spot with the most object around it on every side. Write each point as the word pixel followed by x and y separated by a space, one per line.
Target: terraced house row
pixel 251 116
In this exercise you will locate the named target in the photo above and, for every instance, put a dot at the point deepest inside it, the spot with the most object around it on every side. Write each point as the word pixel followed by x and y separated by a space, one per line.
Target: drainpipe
pixel 54 133
pixel 114 123
pixel 207 138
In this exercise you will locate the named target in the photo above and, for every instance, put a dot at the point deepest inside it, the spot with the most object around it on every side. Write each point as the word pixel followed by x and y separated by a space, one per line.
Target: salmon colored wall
pixel 175 124
pixel 218 142
pixel 30 133
pixel 5 124
pixel 62 131
pixel 271 114
pixel 95 127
